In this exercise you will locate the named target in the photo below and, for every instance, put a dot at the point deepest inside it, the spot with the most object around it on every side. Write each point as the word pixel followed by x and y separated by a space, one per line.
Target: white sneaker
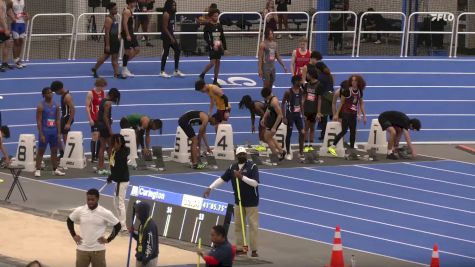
pixel 291 37
pixel 377 42
pixel 278 36
pixel 364 40
pixel 289 156
pixel 164 75
pixel 178 73
pixel 126 72
pixel 37 173
pixel 57 172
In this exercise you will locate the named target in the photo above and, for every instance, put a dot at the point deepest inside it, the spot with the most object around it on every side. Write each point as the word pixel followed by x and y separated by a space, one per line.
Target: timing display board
pixel 181 216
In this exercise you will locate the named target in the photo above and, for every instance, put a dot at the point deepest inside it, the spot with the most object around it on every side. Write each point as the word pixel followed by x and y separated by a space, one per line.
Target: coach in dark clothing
pixel 247 174
pixel 397 123
pixel 146 236
pixel 222 253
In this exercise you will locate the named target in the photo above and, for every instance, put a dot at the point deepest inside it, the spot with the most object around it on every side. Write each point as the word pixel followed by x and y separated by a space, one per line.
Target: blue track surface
pixel 440 92
pixel 399 210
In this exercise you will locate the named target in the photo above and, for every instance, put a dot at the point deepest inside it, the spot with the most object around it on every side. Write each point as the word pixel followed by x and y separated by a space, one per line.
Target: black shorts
pixel 64 120
pixel 385 124
pixel 94 128
pixel 282 8
pixel 133 42
pixel 219 115
pixel 189 131
pixel 3 37
pixel 269 125
pixel 311 117
pixel 104 132
pixel 216 54
pixel 142 18
pixel 114 47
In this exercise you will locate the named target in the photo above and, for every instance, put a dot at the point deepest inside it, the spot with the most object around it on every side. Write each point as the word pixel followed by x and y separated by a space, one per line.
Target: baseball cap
pixel 241 149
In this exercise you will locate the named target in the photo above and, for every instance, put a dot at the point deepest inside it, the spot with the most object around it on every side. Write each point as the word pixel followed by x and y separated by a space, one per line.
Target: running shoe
pixel 332 150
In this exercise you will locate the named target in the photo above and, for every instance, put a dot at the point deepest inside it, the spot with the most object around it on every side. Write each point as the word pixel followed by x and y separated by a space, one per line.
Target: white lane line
pixel 415 176
pixel 368 192
pixel 137 76
pixel 439 169
pixel 305 222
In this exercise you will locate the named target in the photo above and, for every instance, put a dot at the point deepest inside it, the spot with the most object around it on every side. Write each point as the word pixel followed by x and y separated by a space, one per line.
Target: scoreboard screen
pixel 181 216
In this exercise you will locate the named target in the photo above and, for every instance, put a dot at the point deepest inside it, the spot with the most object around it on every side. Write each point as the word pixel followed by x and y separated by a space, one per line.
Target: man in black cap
pixel 146 237
pixel 396 124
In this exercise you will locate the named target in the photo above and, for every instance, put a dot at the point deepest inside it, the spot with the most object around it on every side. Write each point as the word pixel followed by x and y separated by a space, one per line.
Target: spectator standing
pixel 283 18
pixel 146 236
pixel 93 220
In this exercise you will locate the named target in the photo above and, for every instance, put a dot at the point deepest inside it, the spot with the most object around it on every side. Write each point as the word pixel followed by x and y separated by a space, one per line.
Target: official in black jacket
pixel 214 37
pixel 119 175
pixel 247 175
pixel 146 236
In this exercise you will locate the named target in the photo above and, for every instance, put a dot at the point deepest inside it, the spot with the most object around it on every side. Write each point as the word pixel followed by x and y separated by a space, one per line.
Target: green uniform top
pixel 134 120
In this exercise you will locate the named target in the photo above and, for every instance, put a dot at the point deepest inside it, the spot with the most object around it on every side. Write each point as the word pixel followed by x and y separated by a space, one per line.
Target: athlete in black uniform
pixel 271 121
pixel 292 103
pixel 104 124
pixel 169 40
pixel 310 106
pixel 131 44
pixel 397 123
pixel 186 122
pixel 111 42
pixel 256 108
pixel 67 111
pixel 214 37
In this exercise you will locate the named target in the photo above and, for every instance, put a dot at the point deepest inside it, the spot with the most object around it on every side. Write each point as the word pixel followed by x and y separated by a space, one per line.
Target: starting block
pixel 26 152
pixel 210 161
pixel 279 136
pixel 224 143
pixel 377 138
pixel 74 152
pixel 131 143
pixel 333 129
pixel 158 153
pixel 311 158
pixel 182 151
pixel 157 159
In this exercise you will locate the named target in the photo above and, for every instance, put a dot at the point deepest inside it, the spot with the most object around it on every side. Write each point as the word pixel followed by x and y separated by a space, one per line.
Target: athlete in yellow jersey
pixel 218 99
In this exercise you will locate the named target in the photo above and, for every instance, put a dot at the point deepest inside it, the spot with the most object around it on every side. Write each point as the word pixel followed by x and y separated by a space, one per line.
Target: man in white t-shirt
pixel 93 220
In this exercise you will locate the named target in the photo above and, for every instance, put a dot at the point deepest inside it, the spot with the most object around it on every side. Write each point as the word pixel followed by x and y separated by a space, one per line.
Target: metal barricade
pixel 313 21
pixel 25 42
pixel 31 34
pixel 180 22
pixel 289 13
pixel 457 30
pixel 78 32
pixel 259 32
pixel 434 14
pixel 402 31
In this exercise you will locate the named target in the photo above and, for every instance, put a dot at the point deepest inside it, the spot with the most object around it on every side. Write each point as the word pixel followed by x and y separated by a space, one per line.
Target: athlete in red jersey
pixel 300 57
pixel 93 99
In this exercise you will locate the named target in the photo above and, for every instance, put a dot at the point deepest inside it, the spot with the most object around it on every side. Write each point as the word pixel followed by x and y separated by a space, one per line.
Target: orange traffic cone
pixel 435 257
pixel 337 259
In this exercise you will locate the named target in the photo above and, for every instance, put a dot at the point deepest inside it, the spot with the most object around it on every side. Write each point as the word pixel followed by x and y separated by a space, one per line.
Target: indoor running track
pixel 441 92
pixel 399 210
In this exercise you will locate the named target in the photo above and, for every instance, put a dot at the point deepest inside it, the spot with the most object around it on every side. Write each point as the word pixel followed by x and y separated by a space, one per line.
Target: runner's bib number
pixel 51 123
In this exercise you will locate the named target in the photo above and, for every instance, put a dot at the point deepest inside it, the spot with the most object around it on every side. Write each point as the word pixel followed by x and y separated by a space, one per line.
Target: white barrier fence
pixel 312 28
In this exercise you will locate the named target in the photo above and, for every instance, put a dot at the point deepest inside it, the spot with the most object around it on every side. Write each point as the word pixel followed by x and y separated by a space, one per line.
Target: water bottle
pixel 353 261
